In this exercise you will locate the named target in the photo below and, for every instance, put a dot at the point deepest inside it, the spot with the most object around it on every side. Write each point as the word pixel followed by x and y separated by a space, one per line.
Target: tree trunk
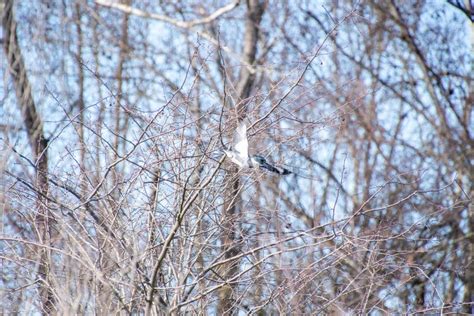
pixel 227 301
pixel 39 145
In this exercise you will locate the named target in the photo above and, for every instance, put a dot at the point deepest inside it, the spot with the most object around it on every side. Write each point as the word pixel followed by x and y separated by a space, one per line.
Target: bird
pixel 239 153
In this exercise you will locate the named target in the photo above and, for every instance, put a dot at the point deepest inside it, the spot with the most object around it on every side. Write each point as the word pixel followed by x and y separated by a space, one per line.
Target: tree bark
pixel 39 145
pixel 227 300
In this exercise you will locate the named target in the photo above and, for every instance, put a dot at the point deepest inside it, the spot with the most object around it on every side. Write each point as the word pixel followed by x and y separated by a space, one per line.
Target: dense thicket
pixel 116 197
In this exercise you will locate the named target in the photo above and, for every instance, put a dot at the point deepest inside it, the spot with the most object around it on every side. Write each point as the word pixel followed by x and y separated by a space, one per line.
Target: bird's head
pixel 258 160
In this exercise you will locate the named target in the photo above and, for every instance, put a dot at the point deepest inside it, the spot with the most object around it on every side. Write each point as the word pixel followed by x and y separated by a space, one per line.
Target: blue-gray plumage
pixel 260 162
pixel 240 153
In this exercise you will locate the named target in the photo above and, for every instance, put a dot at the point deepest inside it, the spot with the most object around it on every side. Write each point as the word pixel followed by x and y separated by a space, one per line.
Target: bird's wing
pixel 241 144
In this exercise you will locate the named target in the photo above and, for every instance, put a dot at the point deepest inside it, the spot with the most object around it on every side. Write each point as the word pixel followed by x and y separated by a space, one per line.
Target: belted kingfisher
pixel 240 153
